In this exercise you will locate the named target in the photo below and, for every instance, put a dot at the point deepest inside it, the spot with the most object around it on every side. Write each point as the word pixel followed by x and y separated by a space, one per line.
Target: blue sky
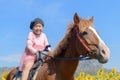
pixel 15 16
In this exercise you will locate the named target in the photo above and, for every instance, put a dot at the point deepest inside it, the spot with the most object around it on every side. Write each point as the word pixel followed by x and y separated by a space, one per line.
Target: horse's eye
pixel 84 33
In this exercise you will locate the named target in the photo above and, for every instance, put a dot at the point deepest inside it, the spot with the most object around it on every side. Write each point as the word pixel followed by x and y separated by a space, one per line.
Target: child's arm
pixel 29 43
pixel 30 47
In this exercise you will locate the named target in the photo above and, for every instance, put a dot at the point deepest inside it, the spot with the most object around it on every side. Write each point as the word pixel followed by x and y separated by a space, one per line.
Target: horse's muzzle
pixel 103 56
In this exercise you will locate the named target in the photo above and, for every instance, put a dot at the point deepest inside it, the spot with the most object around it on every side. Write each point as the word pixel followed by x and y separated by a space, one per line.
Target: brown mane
pixel 61 47
pixel 63 44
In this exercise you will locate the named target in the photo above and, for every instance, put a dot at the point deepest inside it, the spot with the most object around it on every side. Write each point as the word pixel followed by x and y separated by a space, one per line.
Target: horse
pixel 80 41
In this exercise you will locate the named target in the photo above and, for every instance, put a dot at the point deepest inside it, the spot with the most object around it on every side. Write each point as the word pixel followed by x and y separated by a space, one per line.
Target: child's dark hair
pixel 36 21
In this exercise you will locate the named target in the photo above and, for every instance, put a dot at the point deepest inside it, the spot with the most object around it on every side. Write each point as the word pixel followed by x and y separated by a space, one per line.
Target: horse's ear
pixel 91 19
pixel 76 18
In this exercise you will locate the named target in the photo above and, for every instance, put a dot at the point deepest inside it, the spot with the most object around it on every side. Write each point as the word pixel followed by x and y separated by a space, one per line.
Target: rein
pixel 79 58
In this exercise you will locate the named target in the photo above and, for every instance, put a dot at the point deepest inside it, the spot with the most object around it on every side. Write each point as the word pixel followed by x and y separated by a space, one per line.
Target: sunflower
pixel 4 75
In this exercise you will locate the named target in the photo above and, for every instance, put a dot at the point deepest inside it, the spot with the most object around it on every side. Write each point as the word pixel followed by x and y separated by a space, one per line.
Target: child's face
pixel 37 29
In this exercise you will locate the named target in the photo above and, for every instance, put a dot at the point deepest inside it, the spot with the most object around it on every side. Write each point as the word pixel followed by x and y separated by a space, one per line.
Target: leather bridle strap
pixel 82 41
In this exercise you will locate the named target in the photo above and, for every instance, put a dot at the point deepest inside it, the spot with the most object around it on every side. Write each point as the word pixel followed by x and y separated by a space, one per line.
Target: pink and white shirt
pixel 34 43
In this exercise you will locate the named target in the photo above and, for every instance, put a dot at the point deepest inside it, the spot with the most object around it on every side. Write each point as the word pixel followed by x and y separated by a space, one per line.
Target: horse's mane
pixel 63 44
pixel 61 47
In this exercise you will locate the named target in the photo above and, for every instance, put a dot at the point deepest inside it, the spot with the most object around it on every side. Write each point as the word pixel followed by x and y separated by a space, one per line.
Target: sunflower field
pixel 100 75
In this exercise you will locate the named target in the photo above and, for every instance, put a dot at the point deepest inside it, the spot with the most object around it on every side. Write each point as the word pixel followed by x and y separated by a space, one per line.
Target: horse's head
pixel 90 40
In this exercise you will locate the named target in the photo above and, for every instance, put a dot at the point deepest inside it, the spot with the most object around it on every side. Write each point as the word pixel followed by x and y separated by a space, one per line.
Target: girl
pixel 36 41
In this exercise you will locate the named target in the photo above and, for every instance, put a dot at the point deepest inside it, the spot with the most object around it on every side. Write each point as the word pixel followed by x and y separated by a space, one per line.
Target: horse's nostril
pixel 103 51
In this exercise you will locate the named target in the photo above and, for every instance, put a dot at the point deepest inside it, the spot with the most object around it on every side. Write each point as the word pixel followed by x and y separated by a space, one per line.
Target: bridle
pixel 85 43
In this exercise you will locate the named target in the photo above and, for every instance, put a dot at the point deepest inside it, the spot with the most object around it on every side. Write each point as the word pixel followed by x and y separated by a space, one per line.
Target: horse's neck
pixel 67 50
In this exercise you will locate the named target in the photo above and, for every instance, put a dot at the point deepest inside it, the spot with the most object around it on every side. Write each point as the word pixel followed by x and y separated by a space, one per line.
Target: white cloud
pixel 12 58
